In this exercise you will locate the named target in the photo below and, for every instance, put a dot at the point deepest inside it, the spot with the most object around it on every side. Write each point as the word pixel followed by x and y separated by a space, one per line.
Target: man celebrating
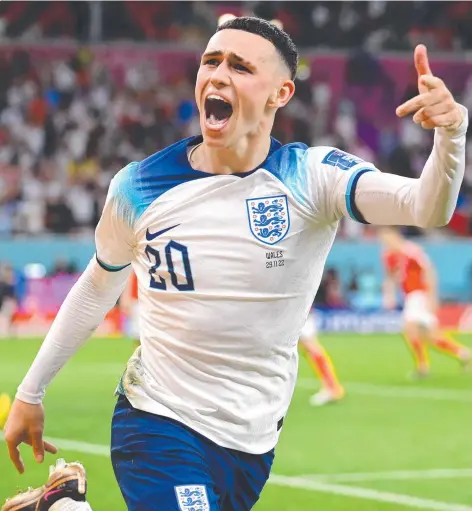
pixel 228 233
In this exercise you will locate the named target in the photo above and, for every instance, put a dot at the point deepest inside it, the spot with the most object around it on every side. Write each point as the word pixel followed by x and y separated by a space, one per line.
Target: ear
pixel 280 97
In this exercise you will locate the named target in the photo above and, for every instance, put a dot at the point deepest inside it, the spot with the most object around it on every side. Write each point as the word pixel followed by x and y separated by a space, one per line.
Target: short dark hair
pixel 278 37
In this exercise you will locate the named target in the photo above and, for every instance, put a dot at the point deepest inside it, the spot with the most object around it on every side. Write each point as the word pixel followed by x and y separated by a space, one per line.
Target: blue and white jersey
pixel 228 267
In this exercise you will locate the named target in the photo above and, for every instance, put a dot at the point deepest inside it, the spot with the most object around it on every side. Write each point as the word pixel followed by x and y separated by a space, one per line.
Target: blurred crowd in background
pixel 378 24
pixel 67 126
pixel 69 121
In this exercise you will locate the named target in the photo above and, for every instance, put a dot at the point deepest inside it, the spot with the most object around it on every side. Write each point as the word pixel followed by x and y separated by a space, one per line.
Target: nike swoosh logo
pixel 50 494
pixel 153 236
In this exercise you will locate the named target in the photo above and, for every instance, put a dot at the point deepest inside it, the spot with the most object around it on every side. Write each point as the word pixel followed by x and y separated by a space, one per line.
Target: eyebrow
pixel 231 55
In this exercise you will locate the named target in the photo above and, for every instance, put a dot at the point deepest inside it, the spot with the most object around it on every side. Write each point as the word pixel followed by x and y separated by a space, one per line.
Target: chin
pixel 217 139
pixel 216 142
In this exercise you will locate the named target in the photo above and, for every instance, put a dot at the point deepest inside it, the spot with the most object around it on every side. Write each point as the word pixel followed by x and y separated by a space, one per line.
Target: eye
pixel 211 62
pixel 240 67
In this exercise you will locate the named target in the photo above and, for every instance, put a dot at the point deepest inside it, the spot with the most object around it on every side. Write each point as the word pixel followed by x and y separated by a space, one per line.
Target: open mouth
pixel 217 111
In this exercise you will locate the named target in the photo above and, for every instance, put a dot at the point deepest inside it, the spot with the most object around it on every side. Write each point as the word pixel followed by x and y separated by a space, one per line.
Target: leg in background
pixel 414 338
pixel 445 344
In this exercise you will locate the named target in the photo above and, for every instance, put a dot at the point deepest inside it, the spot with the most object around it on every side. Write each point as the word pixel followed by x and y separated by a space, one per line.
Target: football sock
pixel 323 367
pixel 419 352
pixel 451 347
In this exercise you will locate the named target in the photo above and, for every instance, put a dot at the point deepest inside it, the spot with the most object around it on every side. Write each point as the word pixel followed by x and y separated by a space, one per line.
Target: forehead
pixel 251 47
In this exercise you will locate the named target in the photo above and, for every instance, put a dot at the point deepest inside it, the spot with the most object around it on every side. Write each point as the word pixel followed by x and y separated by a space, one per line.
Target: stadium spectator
pixel 67 124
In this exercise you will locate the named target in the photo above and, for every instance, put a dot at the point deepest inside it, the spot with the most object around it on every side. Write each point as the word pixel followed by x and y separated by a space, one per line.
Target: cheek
pixel 255 101
pixel 199 85
pixel 258 94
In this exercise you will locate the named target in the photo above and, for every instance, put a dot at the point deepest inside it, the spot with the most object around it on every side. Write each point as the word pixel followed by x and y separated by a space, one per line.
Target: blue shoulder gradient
pixel 126 195
pixel 288 164
pixel 139 184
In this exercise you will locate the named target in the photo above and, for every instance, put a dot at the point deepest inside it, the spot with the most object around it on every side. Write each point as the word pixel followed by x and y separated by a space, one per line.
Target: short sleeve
pixel 114 235
pixel 333 176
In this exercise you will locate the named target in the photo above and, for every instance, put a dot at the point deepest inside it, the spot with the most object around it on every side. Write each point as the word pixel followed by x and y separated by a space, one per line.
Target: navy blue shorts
pixel 162 465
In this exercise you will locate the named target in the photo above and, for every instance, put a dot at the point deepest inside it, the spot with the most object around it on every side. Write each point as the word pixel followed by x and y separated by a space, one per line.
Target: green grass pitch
pixel 393 444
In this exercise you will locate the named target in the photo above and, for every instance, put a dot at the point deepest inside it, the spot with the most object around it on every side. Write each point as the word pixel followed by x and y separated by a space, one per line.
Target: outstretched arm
pixel 94 294
pixel 429 201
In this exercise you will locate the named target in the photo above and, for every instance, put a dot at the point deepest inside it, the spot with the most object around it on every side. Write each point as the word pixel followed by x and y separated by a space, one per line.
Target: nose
pixel 220 76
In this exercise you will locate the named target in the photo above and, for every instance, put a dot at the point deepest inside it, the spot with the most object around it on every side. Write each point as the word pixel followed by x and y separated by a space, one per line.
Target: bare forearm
pixel 94 294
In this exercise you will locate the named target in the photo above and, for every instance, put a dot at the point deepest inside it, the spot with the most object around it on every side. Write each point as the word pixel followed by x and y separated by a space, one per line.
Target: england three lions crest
pixel 192 497
pixel 269 218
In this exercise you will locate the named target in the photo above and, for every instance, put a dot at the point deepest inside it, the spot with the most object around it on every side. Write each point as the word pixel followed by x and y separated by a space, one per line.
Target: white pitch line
pixel 303 483
pixel 393 475
pixel 74 445
pixel 366 494
pixel 369 389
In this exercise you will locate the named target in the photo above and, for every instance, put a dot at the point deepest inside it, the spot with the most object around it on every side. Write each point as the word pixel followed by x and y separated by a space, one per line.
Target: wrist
pixel 459 127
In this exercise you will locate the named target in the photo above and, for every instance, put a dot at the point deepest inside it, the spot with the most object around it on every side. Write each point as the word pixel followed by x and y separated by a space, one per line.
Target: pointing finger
pixel 421 60
pixel 413 104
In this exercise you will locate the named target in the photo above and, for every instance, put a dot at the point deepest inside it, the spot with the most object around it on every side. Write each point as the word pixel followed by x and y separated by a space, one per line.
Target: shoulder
pixel 124 180
pixel 332 157
pixel 170 159
pixel 139 184
pixel 297 155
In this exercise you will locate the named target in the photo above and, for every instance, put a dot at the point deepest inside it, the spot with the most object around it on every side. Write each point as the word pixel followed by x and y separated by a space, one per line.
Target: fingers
pixel 430 112
pixel 431 82
pixel 439 121
pixel 422 61
pixel 414 104
pixel 37 444
pixel 15 456
pixel 50 448
pixel 427 99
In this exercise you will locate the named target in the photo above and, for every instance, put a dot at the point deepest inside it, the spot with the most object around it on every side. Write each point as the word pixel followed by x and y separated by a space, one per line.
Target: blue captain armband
pixel 350 195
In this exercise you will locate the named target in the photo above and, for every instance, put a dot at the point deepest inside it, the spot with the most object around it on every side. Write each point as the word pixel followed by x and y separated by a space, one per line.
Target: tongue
pixel 216 122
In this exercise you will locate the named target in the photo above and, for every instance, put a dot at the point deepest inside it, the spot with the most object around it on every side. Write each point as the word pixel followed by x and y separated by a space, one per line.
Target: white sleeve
pixel 386 199
pixel 94 294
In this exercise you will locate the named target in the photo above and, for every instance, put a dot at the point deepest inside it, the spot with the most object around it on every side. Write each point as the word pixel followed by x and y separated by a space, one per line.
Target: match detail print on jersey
pixel 269 218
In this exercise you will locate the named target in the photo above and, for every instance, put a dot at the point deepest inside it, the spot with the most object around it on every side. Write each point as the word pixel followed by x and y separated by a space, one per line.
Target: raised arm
pixel 430 200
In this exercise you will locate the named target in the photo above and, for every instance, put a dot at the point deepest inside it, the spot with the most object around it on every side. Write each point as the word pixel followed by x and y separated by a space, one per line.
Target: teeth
pixel 214 96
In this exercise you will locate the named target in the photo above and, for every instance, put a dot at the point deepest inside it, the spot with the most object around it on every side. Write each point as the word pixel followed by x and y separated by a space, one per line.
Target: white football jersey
pixel 228 267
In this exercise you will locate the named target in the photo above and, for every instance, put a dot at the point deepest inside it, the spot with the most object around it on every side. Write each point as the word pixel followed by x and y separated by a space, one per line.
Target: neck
pixel 243 157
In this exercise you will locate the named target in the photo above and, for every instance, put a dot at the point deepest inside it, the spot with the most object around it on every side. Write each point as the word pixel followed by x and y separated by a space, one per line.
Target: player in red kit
pixel 408 266
pixel 331 390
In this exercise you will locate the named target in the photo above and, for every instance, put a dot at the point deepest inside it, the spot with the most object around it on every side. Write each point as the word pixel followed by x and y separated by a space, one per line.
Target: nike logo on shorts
pixel 152 236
